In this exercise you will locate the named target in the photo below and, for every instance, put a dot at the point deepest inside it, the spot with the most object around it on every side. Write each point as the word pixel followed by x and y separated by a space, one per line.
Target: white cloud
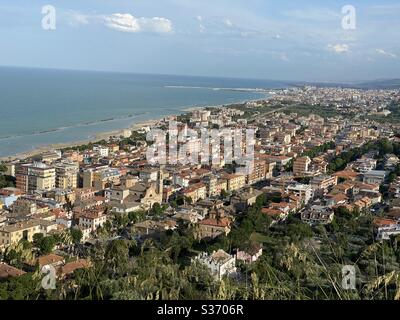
pixel 228 23
pixel 199 18
pixel 314 14
pixel 126 22
pixel 338 48
pixel 386 53
pixel 76 19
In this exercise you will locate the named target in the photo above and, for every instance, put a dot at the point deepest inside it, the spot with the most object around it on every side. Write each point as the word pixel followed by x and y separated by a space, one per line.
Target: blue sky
pixel 290 40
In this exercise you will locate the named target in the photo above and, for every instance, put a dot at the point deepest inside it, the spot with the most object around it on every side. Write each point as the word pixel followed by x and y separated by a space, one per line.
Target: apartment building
pixel 234 181
pixel 67 175
pixel 35 176
pixel 12 234
pixel 323 183
pixel 301 165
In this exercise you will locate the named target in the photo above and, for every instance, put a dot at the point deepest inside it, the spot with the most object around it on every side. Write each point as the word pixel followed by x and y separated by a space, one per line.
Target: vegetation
pixel 5 181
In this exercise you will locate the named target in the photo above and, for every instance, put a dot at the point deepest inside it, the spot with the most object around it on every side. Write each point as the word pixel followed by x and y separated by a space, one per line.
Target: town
pixel 324 189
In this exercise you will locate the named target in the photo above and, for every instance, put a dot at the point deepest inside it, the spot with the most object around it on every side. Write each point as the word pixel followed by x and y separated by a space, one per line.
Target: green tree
pixel 76 235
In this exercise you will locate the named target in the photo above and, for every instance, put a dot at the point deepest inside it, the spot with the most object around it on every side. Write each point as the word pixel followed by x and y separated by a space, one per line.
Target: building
pixel 13 233
pixel 323 183
pixel 196 192
pixel 384 228
pixel 7 271
pixel 219 263
pixel 35 176
pixel 303 191
pixel 375 177
pixel 8 196
pixel 317 215
pixel 391 161
pixel 259 172
pixel 250 254
pixel 234 181
pixel 214 226
pixel 102 151
pixel 301 166
pixel 67 175
pixel 244 199
pixel 92 219
pixel 100 178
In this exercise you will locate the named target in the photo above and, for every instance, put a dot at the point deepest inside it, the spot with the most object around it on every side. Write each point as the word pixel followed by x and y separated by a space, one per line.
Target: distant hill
pixel 380 84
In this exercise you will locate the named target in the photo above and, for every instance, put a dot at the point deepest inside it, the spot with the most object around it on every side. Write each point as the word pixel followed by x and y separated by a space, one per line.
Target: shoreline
pixel 57 146
pixel 107 134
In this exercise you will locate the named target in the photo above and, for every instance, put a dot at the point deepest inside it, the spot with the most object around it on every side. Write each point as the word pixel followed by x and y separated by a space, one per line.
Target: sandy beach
pixel 98 137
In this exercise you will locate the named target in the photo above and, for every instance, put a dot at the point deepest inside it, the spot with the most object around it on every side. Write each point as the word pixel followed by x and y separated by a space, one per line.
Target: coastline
pixel 99 136
pixel 107 134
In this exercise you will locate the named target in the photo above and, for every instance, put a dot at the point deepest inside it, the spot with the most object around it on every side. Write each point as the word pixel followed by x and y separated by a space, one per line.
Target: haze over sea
pixel 40 107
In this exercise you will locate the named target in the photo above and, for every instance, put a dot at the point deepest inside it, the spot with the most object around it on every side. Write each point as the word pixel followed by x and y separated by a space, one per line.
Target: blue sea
pixel 39 107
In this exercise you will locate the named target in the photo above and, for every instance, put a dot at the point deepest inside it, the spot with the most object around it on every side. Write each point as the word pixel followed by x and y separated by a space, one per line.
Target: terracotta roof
pixel 223 222
pixel 75 265
pixel 7 271
pixel 271 212
pixel 346 174
pixel 49 259
pixel 384 222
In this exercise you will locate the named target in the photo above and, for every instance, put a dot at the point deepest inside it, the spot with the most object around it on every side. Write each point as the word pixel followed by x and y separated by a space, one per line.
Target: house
pixel 391 161
pixel 153 229
pixel 7 271
pixel 13 233
pixel 213 226
pixel 250 254
pixel 50 259
pixel 92 219
pixel 318 215
pixel 244 199
pixel 127 207
pixel 219 263
pixel 9 195
pixel 347 175
pixel 363 203
pixel 336 199
pixel 304 191
pixel 69 268
pixel 385 228
pixel 375 177
pixel 323 183
pixel 274 213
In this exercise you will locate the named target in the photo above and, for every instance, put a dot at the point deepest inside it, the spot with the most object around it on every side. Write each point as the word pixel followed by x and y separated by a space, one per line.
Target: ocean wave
pixel 78 125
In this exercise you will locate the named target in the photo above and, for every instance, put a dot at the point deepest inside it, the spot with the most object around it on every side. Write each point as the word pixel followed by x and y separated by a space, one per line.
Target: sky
pixel 282 40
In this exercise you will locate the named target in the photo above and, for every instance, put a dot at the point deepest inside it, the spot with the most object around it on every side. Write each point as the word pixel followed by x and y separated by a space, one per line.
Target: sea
pixel 41 107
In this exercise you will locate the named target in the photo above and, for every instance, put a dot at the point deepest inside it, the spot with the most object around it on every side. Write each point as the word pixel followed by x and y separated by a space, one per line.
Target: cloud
pixel 228 23
pixel 338 48
pixel 76 19
pixel 123 22
pixel 126 22
pixel 314 14
pixel 386 53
